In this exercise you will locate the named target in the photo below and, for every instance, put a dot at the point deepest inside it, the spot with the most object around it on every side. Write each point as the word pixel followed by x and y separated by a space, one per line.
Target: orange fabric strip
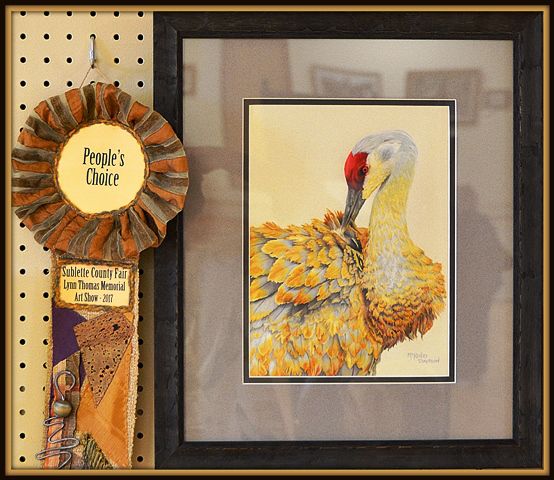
pixel 136 112
pixel 129 245
pixel 107 423
pixel 163 134
pixel 70 230
pixel 173 198
pixel 177 164
pixel 29 139
pixel 96 248
pixel 75 102
pixel 21 198
pixel 44 112
pixel 39 167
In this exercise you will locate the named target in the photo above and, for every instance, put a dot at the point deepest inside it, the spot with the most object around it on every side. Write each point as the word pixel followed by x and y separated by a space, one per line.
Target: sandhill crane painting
pixel 328 297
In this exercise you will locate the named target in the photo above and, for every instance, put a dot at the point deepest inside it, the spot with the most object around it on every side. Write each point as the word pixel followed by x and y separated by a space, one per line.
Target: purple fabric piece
pixel 63 337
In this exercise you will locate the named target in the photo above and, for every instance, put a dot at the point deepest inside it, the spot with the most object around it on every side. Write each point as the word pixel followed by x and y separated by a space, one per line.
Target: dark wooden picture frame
pixel 525 449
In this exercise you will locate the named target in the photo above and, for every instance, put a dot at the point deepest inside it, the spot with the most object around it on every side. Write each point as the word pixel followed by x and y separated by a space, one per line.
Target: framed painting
pixel 309 286
pixel 242 382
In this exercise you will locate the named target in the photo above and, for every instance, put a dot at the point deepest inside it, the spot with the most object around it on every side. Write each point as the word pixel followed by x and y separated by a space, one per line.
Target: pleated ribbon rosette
pixel 96 209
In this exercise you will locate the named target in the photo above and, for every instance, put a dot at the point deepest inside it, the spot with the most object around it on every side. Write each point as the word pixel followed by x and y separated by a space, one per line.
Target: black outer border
pixel 524 450
pixel 451 104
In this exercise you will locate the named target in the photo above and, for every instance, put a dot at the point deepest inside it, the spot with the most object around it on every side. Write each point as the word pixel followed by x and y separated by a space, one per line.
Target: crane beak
pixel 354 202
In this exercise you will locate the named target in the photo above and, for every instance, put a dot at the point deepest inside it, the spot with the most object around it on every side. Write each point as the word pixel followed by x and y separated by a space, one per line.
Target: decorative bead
pixel 62 408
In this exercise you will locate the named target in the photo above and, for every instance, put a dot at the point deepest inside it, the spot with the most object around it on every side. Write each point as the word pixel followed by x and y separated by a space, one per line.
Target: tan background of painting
pixel 297 155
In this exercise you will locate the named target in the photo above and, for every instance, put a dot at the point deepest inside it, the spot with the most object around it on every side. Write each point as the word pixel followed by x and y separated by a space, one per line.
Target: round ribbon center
pixel 101 168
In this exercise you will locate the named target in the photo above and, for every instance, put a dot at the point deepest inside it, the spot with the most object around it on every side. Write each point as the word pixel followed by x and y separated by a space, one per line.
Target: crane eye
pixel 364 169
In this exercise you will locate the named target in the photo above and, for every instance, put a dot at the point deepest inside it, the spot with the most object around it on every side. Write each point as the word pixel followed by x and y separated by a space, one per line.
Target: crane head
pixel 369 165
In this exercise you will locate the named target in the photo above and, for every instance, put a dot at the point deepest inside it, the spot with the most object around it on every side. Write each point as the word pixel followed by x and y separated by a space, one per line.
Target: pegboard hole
pixel 46 318
pixel 46 83
pixel 116 36
pixel 69 60
pixel 22 106
pixel 140 37
pixel 140 412
pixel 22 459
pixel 23 36
pixel 22 318
pixel 69 83
pixel 22 13
pixel 141 318
pixel 140 14
pixel 140 60
pixel 140 365
pixel 46 14
pixel 21 224
pixel 140 341
pixel 45 294
pixel 69 36
pixel 116 60
pixel 45 249
pixel 22 59
pixel 140 458
pixel 22 295
pixel 44 365
pixel 141 271
pixel 140 434
pixel 21 412
pixel 93 14
pixel 22 271
pixel 140 388
pixel 116 14
pixel 22 388
pixel 46 271
pixel 22 341
pixel 46 36
pixel 46 60
pixel 22 247
pixel 140 84
pixel 21 435
pixel 45 341
pixel 116 83
pixel 22 365
pixel 69 14
pixel 140 295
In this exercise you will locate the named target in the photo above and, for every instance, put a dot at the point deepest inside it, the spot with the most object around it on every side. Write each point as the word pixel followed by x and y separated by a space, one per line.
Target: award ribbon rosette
pixel 96 177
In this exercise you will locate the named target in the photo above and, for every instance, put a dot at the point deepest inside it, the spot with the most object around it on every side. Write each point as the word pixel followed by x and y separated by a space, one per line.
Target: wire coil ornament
pixel 62 409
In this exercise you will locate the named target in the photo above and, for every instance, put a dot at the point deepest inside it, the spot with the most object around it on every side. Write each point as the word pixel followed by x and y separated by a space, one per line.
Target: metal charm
pixel 62 409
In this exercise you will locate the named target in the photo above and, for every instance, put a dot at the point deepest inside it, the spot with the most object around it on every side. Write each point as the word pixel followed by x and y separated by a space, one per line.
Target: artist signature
pixel 423 358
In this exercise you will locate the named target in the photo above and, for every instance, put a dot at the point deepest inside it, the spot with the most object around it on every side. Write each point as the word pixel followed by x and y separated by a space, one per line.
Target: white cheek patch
pixel 388 150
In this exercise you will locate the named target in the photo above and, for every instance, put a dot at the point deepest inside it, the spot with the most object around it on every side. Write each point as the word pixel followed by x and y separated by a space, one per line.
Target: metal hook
pixel 57 385
pixel 92 51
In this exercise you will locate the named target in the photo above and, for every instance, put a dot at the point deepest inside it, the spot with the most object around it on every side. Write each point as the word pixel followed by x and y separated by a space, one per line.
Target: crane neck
pixel 388 228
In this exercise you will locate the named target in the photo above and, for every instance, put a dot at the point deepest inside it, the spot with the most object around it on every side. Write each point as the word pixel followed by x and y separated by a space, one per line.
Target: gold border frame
pixel 8 10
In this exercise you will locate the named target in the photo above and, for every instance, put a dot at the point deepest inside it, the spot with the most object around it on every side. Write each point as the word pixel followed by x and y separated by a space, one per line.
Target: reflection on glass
pixel 217 75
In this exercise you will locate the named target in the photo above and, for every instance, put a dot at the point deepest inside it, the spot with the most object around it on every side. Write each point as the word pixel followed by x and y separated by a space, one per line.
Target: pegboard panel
pixel 50 55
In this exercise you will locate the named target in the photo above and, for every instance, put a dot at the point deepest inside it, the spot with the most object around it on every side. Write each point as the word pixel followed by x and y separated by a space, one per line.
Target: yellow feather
pixel 276 248
pixel 279 271
pixel 296 277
